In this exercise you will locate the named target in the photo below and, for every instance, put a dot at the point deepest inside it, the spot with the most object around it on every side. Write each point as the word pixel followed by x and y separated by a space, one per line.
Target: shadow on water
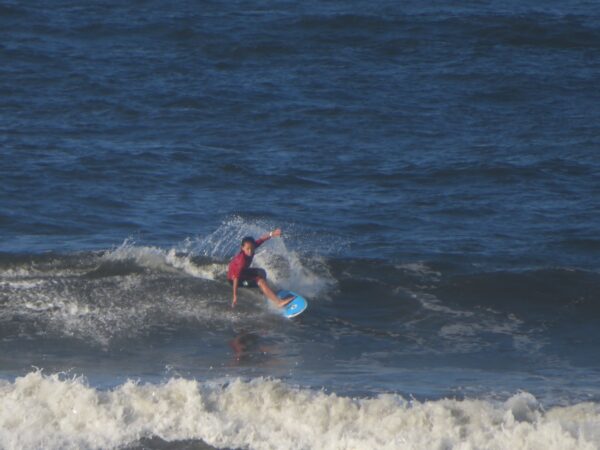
pixel 156 443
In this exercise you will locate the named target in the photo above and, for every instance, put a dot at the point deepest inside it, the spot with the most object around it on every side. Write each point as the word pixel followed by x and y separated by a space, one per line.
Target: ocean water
pixel 435 169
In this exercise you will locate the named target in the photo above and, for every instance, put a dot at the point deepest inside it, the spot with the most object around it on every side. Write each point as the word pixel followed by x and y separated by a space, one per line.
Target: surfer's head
pixel 248 245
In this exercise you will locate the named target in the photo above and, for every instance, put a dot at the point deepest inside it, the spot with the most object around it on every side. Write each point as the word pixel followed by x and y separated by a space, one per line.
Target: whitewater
pixel 270 414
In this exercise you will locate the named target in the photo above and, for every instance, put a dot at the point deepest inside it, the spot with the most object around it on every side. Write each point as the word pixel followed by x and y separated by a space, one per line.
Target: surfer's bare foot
pixel 268 292
pixel 286 300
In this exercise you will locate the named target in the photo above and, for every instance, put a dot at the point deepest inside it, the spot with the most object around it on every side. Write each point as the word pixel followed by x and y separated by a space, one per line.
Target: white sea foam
pixel 421 269
pixel 161 259
pixel 100 309
pixel 432 303
pixel 21 284
pixel 26 272
pixel 285 269
pixel 55 412
pixel 469 330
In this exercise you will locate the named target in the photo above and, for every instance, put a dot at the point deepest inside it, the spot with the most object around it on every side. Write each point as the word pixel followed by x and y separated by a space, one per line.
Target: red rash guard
pixel 241 262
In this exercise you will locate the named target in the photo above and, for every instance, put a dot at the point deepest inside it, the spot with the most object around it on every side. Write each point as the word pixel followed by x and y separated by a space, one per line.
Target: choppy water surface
pixel 434 168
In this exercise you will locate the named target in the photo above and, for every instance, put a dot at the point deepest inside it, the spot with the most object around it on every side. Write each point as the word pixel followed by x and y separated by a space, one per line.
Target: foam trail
pixel 55 412
pixel 164 260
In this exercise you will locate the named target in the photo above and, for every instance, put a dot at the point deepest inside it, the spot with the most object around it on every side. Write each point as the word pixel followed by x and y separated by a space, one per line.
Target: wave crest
pixel 265 414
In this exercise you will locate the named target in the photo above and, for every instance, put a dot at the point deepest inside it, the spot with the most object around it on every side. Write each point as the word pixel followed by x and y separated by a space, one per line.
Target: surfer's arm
pixel 267 236
pixel 235 288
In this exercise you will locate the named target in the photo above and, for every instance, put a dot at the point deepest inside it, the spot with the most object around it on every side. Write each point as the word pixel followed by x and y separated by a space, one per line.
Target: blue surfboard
pixel 295 307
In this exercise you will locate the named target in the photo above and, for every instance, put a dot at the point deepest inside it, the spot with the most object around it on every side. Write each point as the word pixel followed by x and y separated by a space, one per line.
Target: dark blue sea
pixel 434 167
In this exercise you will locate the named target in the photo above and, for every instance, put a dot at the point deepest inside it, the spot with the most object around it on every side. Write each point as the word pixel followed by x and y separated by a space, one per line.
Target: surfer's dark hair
pixel 248 239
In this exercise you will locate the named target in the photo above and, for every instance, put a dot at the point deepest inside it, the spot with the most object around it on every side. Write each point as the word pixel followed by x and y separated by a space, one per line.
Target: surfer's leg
pixel 268 292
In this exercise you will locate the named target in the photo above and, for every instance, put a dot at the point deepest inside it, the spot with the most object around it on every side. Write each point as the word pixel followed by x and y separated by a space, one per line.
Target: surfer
pixel 240 273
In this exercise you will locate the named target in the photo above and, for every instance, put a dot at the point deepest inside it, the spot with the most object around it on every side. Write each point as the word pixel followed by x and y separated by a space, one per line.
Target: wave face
pixel 425 329
pixel 268 414
pixel 133 291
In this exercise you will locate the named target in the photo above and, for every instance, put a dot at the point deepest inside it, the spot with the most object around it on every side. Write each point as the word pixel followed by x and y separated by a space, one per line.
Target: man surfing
pixel 240 273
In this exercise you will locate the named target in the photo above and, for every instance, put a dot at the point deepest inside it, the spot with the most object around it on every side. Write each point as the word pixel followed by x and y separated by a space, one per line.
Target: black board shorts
pixel 245 283
pixel 249 278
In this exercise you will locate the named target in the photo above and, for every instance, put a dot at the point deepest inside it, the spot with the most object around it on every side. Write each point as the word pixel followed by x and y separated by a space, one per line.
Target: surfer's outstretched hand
pixel 271 234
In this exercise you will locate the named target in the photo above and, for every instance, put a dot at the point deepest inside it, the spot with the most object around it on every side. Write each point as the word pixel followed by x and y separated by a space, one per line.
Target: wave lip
pixel 266 414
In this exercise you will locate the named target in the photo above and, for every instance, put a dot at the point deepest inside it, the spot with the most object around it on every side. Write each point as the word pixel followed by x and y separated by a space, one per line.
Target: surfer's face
pixel 248 248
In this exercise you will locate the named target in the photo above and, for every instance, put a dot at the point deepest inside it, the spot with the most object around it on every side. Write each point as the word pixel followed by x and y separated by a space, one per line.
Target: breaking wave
pixel 58 412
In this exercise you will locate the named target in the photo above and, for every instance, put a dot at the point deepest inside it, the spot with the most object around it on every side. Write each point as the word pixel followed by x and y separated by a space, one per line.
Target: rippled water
pixel 434 168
